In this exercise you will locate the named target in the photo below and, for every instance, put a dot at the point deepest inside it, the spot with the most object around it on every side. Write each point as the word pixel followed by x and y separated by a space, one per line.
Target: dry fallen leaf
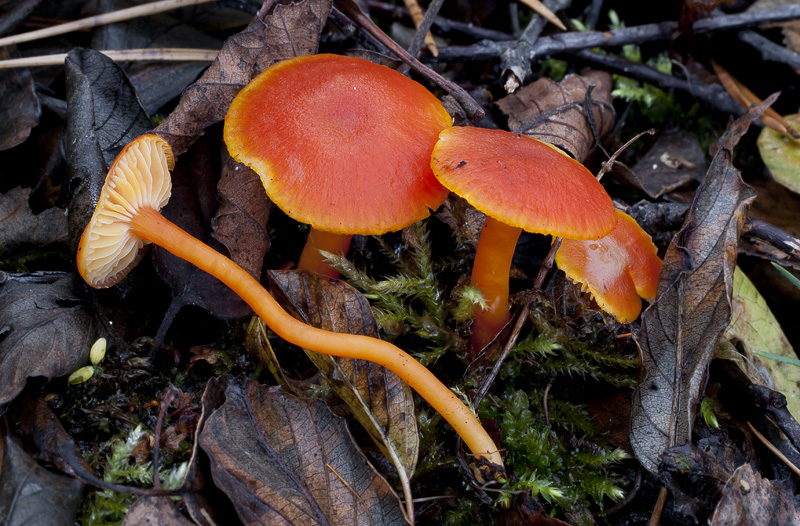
pixel 21 109
pixel 287 460
pixel 748 499
pixel 382 402
pixel 680 330
pixel 554 112
pixel 47 329
pixel 20 228
pixel 155 511
pixel 29 494
pixel 675 160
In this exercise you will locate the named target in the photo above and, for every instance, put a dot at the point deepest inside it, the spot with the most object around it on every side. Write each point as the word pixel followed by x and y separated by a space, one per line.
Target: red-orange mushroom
pixel 618 269
pixel 342 144
pixel 520 184
pixel 127 218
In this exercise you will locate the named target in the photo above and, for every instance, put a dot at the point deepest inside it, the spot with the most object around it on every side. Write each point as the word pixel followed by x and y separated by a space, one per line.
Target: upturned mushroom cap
pixel 139 177
pixel 523 182
pixel 340 143
pixel 617 269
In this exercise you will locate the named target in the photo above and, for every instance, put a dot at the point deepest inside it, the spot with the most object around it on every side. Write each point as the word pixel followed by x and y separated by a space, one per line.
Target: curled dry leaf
pixel 103 116
pixel 20 228
pixel 277 32
pixel 29 494
pixel 46 330
pixel 381 401
pixel 288 460
pixel 680 330
pixel 554 112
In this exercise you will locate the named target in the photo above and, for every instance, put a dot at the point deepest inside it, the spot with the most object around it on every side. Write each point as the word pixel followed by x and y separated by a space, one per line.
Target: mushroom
pixel 342 144
pixel 520 183
pixel 127 219
pixel 617 269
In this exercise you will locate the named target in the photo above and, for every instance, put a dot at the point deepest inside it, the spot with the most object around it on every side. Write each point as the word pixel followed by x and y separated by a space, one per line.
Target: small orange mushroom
pixel 342 144
pixel 520 184
pixel 127 219
pixel 618 269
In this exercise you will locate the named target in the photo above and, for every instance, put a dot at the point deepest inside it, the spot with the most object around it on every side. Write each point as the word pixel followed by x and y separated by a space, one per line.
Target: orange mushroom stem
pixel 520 183
pixel 312 259
pixel 618 270
pixel 127 218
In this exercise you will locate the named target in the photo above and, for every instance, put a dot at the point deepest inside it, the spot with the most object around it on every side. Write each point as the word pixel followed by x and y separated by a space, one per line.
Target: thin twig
pixel 658 509
pixel 542 10
pixel 775 450
pixel 637 486
pixel 100 20
pixel 427 37
pixel 772 235
pixel 444 24
pixel 162 411
pixel 354 12
pixel 121 55
pixel 770 50
pixel 67 452
pixel 577 40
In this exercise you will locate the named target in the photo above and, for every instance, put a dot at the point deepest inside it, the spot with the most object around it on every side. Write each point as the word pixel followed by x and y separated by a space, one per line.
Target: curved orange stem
pixel 318 240
pixel 490 274
pixel 152 226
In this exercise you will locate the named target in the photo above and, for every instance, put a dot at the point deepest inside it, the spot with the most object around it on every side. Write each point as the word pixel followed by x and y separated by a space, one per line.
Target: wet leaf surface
pixel 21 109
pixel 749 499
pixel 46 330
pixel 680 330
pixel 781 154
pixel 381 401
pixel 554 112
pixel 283 459
pixel 277 32
pixel 29 494
pixel 21 229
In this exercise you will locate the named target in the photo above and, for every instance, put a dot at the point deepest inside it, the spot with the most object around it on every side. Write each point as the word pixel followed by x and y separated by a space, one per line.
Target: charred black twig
pixel 576 41
pixel 444 24
pixel 770 50
pixel 772 235
pixel 710 94
pixel 354 13
pixel 425 26
pixel 514 61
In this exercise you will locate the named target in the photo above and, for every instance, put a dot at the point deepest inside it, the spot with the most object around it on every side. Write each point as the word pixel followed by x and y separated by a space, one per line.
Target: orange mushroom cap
pixel 139 177
pixel 617 269
pixel 340 143
pixel 523 182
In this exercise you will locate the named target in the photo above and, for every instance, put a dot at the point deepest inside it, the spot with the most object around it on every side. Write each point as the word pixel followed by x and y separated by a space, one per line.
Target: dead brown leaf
pixel 20 228
pixel 21 109
pixel 381 401
pixel 554 112
pixel 675 160
pixel 288 460
pixel 155 511
pixel 241 219
pixel 277 32
pixel 693 306
pixel 748 499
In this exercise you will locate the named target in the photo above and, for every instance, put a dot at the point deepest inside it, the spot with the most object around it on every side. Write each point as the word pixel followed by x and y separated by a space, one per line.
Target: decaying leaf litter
pixel 714 358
